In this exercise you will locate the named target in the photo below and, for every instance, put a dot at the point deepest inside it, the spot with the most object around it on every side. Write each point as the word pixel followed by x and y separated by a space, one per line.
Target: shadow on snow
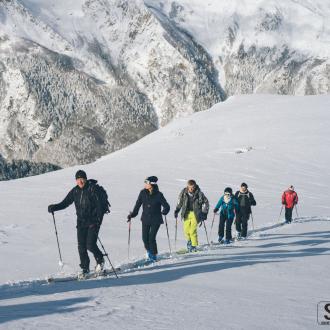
pixel 35 309
pixel 188 266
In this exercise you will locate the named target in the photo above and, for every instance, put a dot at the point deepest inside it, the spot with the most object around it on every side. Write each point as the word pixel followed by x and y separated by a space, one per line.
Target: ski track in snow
pixel 174 259
pixel 266 245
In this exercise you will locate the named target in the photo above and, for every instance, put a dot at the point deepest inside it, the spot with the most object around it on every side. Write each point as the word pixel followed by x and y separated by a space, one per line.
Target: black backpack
pixel 102 197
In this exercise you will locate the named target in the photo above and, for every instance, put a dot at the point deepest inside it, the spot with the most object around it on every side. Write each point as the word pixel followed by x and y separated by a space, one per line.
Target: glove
pixel 129 217
pixel 215 210
pixel 203 216
pixel 176 213
pixel 200 223
pixel 51 208
pixel 164 212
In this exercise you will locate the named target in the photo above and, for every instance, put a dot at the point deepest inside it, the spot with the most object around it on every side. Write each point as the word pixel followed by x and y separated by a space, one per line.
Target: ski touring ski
pixel 79 277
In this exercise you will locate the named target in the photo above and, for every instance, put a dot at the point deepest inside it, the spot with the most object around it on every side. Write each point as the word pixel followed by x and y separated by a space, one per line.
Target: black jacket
pixel 245 201
pixel 88 208
pixel 151 204
pixel 200 204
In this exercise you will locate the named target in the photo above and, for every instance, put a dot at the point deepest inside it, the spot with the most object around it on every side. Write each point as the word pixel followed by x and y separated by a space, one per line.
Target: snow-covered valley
pixel 82 78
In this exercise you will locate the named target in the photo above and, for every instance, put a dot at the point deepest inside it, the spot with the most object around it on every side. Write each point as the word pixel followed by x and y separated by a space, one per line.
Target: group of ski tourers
pixel 91 202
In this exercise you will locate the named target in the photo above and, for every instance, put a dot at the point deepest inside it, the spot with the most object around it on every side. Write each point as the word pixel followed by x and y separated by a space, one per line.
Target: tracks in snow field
pixel 164 259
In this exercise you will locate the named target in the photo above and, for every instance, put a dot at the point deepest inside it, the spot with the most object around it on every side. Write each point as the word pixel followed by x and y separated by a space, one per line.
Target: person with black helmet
pixel 228 206
pixel 154 207
pixel 89 219
pixel 246 200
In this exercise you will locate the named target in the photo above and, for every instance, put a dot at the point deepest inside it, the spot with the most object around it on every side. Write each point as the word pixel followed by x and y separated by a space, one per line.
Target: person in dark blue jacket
pixel 228 206
pixel 154 207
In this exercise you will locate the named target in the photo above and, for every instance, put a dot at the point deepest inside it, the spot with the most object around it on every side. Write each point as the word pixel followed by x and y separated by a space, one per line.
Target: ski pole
pixel 176 231
pixel 106 255
pixel 207 237
pixel 280 214
pixel 212 225
pixel 252 220
pixel 296 210
pixel 168 236
pixel 129 238
pixel 58 244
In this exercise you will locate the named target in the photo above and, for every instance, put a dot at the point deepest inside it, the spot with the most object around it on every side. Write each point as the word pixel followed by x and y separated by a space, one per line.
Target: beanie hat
pixel 81 175
pixel 291 187
pixel 151 180
pixel 229 190
pixel 244 185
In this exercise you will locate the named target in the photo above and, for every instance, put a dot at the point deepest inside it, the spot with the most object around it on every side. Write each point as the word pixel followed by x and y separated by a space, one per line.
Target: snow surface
pixel 273 280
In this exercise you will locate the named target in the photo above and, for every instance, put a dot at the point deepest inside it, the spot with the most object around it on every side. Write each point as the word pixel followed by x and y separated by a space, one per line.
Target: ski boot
pixel 151 257
pixel 239 236
pixel 148 255
pixel 221 240
pixel 83 274
pixel 189 246
pixel 99 267
pixel 193 249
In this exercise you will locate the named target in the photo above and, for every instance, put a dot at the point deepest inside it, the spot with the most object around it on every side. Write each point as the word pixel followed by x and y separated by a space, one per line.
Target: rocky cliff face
pixel 80 79
pixel 260 46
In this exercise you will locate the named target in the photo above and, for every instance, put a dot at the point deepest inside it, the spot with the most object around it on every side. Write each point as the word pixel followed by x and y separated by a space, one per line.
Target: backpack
pixel 102 197
pixel 240 194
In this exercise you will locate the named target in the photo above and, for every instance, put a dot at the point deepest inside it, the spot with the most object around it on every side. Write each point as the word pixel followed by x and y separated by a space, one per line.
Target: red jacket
pixel 289 199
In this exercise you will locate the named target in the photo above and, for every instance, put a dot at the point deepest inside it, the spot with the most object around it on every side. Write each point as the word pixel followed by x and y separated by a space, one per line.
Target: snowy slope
pixel 273 280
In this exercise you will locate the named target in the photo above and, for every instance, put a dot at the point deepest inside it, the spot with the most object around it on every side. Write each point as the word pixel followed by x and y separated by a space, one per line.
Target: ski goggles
pixel 149 182
pixel 227 194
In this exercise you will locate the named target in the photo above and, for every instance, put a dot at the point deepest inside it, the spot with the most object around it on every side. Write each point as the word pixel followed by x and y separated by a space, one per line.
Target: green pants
pixel 190 228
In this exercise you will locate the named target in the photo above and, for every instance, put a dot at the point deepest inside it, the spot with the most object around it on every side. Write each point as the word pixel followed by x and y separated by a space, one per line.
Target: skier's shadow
pixel 311 239
pixel 189 266
pixel 163 274
pixel 36 309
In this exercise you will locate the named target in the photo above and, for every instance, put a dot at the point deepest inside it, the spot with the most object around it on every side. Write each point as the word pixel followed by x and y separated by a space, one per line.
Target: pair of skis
pixel 61 264
pixel 81 277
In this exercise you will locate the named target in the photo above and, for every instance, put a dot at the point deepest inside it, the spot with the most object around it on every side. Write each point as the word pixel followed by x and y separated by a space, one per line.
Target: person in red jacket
pixel 289 200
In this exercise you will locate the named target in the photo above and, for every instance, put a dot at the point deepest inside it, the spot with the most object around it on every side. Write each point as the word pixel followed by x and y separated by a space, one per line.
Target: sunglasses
pixel 149 182
pixel 226 193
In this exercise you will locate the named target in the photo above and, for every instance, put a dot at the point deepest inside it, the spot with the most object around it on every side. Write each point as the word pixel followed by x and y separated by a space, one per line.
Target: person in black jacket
pixel 151 200
pixel 245 200
pixel 89 219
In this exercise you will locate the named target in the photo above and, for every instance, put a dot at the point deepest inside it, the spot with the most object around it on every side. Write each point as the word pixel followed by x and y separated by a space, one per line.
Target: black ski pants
pixel 288 214
pixel 87 240
pixel 242 219
pixel 225 222
pixel 149 233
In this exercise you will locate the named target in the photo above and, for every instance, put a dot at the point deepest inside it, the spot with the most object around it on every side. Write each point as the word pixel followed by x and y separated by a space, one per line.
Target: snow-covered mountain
pixel 273 280
pixel 82 78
